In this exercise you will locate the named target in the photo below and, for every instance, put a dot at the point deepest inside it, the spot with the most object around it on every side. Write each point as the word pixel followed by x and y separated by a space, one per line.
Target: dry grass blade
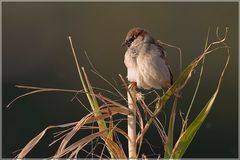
pixel 76 61
pixel 121 132
pixel 219 39
pixel 156 122
pixel 76 128
pixel 179 50
pixel 79 144
pixel 95 118
pixel 105 90
pixel 115 149
pixel 36 139
pixel 98 74
pixel 106 99
pixel 39 90
pixel 115 110
pixel 87 119
pixel 121 95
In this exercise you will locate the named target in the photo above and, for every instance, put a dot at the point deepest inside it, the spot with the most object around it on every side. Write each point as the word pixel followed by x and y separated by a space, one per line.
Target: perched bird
pixel 146 62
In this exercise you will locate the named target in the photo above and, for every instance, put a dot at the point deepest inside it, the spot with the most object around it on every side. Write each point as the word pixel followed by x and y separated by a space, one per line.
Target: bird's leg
pixel 133 85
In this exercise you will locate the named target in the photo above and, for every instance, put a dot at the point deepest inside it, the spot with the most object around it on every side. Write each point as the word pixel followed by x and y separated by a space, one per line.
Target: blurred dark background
pixel 36 52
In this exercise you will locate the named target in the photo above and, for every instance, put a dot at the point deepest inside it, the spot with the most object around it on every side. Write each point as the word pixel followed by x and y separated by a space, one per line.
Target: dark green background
pixel 36 52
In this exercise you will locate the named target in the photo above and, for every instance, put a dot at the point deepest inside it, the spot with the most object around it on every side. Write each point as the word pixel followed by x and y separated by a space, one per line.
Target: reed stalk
pixel 132 145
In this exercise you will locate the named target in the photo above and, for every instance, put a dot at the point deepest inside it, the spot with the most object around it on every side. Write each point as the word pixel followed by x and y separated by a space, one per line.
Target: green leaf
pixel 187 136
pixel 169 145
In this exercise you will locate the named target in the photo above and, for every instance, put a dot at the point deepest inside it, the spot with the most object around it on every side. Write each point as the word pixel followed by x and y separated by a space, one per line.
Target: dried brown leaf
pixel 36 139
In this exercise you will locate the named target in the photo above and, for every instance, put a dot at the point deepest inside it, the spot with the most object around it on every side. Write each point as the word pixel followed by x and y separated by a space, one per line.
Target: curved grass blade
pixel 187 136
pixel 40 90
pixel 75 147
pixel 184 125
pixel 36 139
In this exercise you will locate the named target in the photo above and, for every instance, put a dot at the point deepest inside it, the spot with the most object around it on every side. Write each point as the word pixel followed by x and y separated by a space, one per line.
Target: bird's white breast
pixel 146 66
pixel 130 61
pixel 153 68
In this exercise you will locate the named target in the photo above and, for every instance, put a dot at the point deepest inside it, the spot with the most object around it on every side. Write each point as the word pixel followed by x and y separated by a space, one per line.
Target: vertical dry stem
pixel 132 145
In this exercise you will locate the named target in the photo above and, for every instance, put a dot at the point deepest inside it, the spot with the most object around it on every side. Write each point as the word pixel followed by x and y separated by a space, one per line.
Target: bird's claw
pixel 132 85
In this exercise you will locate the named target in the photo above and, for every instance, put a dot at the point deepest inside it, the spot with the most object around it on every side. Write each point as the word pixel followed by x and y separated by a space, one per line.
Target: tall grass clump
pixel 135 110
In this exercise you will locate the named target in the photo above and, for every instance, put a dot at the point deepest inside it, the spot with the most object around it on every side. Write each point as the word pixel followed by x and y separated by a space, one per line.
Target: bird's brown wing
pixel 164 56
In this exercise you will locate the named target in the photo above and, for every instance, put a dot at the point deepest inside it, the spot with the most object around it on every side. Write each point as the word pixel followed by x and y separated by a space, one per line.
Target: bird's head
pixel 136 35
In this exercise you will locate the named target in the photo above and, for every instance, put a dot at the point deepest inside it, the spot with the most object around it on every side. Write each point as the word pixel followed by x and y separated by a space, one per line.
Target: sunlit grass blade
pixel 40 90
pixel 91 98
pixel 114 110
pixel 88 89
pixel 185 121
pixel 74 130
pixel 169 145
pixel 78 145
pixel 187 136
pixel 36 139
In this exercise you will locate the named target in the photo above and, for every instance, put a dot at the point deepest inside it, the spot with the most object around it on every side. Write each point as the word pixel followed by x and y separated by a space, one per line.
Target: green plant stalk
pixel 88 90
pixel 95 107
pixel 92 100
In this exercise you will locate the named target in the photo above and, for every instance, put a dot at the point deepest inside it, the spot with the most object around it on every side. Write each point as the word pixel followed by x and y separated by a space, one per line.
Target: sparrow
pixel 146 61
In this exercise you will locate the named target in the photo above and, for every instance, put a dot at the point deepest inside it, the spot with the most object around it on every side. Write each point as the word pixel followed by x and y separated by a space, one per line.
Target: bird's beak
pixel 124 43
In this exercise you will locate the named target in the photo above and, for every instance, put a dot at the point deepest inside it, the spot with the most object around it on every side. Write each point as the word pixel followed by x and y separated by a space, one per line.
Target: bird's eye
pixel 131 39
